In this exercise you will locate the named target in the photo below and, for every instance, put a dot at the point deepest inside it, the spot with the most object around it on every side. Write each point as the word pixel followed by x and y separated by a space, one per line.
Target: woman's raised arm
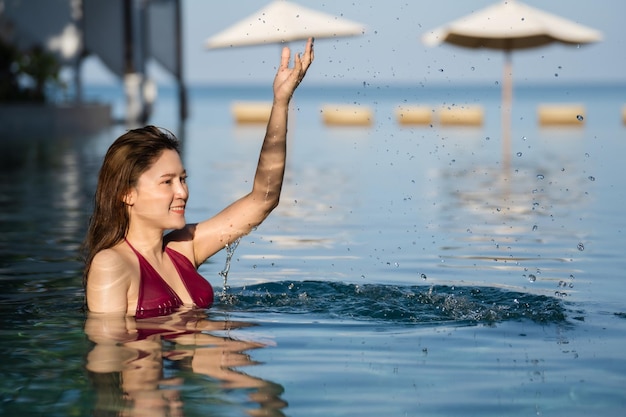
pixel 239 218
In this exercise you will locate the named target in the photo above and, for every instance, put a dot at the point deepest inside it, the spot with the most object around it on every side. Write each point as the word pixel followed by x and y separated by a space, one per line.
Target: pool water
pixel 407 271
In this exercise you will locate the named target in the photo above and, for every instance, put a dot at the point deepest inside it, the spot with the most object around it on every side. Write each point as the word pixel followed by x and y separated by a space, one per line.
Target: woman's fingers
pixel 305 59
pixel 309 54
pixel 284 58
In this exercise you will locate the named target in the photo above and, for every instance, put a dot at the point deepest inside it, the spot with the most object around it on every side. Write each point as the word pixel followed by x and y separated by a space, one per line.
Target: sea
pixel 409 270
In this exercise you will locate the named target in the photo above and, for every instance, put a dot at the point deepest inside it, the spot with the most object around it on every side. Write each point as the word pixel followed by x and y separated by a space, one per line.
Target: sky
pixel 391 51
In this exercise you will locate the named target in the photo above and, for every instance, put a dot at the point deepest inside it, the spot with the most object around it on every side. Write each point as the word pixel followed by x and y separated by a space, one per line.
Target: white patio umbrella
pixel 281 22
pixel 507 26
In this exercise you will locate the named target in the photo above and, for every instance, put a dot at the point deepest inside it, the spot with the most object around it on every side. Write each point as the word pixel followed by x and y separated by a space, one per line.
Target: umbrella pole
pixel 507 100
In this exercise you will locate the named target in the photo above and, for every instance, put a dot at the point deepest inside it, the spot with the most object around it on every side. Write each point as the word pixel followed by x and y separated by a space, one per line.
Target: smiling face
pixel 159 198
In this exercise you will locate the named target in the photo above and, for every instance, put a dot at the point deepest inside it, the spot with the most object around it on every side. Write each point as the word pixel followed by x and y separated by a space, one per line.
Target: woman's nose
pixel 181 190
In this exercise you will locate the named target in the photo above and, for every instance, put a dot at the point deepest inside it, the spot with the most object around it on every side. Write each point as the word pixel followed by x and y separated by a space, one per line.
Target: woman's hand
pixel 287 79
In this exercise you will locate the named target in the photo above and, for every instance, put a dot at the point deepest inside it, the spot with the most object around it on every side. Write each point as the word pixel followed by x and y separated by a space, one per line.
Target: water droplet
pixel 423 276
pixel 581 247
pixel 532 278
pixel 535 227
pixel 519 154
pixel 473 68
pixel 440 69
pixel 591 178
pixel 540 176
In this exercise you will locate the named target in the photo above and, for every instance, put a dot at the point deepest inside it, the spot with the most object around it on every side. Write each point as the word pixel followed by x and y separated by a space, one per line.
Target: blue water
pixel 407 271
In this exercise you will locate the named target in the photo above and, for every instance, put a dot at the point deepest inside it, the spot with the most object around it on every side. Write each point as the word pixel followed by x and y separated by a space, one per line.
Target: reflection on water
pixel 139 367
pixel 45 187
pixel 519 220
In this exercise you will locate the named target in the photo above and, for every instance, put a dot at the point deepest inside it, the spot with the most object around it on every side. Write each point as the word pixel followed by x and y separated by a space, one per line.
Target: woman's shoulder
pixel 109 281
pixel 112 261
pixel 116 252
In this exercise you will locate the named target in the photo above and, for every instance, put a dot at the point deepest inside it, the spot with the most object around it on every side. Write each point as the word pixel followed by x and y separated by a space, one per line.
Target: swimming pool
pixel 407 271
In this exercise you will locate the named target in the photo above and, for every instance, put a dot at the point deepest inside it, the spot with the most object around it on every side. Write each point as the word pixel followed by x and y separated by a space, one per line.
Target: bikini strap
pixel 131 246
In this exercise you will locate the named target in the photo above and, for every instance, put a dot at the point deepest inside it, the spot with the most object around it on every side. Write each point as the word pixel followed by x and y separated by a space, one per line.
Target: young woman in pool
pixel 132 265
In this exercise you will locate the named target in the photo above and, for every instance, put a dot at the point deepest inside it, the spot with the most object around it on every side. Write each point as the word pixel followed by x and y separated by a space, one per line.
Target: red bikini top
pixel 157 298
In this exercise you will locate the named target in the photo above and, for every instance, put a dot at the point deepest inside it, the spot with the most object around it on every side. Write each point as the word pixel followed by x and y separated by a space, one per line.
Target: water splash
pixel 230 251
pixel 398 304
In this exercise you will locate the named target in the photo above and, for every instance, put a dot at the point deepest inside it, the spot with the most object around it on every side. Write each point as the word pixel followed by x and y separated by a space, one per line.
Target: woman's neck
pixel 148 243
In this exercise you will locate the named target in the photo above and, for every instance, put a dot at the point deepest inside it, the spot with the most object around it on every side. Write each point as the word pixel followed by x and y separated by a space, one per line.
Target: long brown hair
pixel 127 158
